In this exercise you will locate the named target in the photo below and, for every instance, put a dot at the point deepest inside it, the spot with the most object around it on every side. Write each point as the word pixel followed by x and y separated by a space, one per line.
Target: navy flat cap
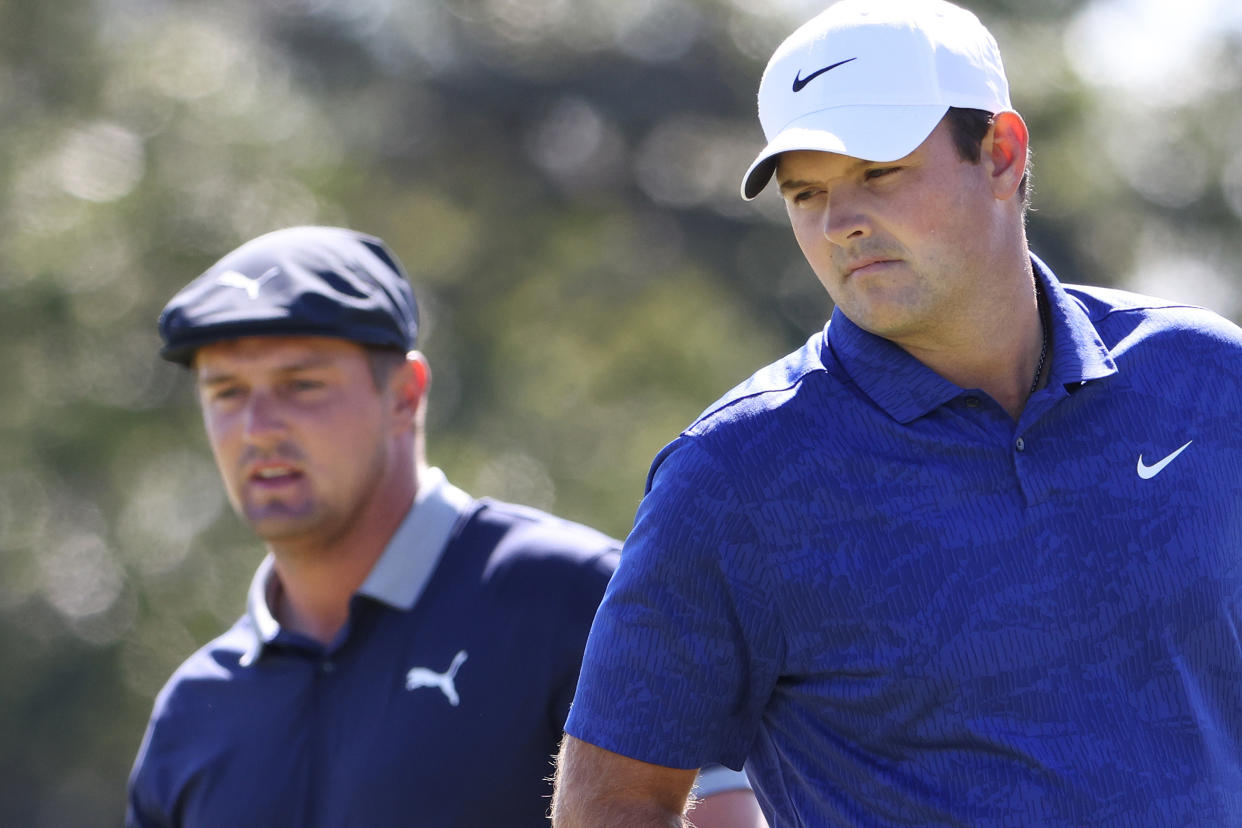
pixel 300 281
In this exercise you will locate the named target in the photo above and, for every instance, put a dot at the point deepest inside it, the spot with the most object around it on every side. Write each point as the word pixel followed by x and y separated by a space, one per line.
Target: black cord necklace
pixel 1043 330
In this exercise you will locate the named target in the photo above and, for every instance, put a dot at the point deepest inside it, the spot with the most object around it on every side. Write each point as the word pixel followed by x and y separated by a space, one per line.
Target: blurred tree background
pixel 560 179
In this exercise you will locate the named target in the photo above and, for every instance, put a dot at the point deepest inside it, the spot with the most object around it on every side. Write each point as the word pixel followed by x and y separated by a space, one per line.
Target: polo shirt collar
pixel 398 577
pixel 401 573
pixel 895 381
pixel 1079 354
pixel 907 389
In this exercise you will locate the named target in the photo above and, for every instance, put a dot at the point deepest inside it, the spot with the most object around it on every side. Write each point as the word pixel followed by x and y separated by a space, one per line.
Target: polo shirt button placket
pixel 1020 444
pixel 327 667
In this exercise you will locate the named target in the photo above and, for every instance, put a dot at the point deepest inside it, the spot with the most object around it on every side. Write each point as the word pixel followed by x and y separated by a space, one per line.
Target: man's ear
pixel 412 381
pixel 1005 150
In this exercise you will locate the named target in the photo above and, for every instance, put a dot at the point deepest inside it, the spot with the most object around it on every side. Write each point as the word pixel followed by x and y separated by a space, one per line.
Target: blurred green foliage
pixel 560 179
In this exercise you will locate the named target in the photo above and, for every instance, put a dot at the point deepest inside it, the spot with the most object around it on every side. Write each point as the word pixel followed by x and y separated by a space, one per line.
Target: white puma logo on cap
pixel 231 278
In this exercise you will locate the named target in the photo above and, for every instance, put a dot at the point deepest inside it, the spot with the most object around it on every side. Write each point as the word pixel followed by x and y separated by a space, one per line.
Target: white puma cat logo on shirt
pixel 423 677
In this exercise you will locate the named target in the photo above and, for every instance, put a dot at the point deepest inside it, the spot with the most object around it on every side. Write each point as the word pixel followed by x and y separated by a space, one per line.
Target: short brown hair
pixel 382 362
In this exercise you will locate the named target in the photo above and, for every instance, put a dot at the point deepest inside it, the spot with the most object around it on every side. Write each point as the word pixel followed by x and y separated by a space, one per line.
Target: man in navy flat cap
pixel 408 653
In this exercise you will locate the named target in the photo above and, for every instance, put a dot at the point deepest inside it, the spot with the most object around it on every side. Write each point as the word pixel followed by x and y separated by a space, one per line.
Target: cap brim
pixel 183 349
pixel 872 133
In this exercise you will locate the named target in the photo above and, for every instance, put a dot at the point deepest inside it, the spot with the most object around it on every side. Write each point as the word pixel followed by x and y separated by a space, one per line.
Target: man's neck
pixel 316 580
pixel 996 349
pixel 312 598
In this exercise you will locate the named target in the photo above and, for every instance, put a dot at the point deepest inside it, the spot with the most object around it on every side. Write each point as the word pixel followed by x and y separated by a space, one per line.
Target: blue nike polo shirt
pixel 899 606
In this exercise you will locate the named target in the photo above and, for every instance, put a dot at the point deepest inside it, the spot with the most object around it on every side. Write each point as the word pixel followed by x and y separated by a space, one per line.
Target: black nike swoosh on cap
pixel 800 81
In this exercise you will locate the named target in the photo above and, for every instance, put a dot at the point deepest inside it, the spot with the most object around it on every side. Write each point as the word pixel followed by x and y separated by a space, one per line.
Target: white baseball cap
pixel 872 78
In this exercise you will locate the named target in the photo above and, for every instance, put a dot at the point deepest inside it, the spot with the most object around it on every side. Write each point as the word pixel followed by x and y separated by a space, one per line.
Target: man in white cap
pixel 971 556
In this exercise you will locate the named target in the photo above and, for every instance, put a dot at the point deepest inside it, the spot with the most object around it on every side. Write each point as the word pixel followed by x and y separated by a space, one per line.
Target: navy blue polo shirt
pixel 440 703
pixel 899 606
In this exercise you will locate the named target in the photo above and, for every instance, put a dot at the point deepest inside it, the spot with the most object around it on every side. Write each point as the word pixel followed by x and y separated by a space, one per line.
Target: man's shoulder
pixel 773 388
pixel 512 536
pixel 1122 312
pixel 193 718
pixel 760 418
pixel 207 674
pixel 531 568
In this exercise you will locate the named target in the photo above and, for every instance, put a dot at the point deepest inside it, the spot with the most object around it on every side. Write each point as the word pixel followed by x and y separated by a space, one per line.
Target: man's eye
pixel 305 384
pixel 226 393
pixel 880 172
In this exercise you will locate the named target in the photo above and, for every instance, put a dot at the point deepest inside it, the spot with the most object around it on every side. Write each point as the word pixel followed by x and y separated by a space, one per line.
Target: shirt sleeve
pixel 137 817
pixel 684 650
pixel 583 598
pixel 142 810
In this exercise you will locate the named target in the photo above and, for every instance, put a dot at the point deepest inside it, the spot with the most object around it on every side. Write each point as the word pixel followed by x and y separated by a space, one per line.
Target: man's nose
pixel 845 222
pixel 264 419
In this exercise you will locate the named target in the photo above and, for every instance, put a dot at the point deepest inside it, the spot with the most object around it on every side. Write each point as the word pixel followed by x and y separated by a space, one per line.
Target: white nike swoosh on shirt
pixel 1148 472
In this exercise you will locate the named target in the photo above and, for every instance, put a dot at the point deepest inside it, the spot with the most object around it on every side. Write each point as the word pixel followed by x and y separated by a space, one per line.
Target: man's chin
pixel 280 523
